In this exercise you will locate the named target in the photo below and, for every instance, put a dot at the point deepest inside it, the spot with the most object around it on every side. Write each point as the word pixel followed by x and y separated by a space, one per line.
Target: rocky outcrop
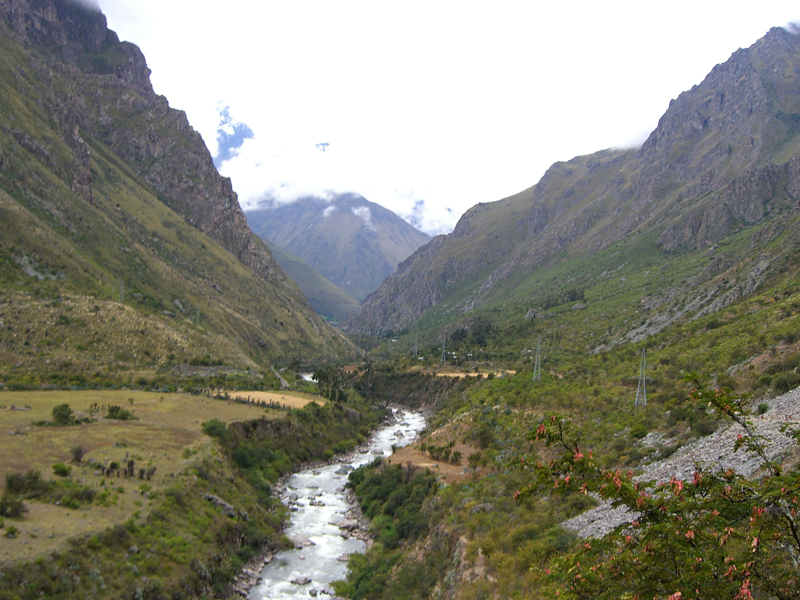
pixel 716 162
pixel 714 452
pixel 747 199
pixel 113 100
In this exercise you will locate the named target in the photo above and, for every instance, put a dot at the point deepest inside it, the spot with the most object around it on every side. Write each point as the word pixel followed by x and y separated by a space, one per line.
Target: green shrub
pixel 11 506
pixel 638 431
pixel 62 414
pixel 785 382
pixel 61 469
pixel 215 428
pixel 119 413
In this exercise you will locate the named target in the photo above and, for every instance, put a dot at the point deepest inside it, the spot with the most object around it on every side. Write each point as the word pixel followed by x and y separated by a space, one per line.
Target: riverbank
pixel 326 524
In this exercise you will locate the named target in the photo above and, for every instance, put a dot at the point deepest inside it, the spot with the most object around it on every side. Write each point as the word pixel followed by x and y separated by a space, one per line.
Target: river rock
pixel 341 471
pixel 301 580
pixel 348 524
pixel 300 540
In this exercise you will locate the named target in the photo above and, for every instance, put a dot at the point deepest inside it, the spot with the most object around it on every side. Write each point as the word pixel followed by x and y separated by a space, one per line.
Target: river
pixel 317 499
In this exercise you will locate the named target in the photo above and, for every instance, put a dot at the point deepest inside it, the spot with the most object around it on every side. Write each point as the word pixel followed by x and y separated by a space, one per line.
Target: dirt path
pixel 284 383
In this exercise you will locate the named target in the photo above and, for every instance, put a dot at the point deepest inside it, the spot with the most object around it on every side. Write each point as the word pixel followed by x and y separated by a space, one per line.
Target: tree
pixel 329 383
pixel 62 414
pixel 719 535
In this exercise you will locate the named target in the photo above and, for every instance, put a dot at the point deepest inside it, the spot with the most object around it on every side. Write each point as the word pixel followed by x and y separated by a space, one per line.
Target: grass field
pixel 285 399
pixel 167 435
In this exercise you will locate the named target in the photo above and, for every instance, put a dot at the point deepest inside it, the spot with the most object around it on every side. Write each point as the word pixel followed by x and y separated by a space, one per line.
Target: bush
pixel 61 469
pixel 119 413
pixel 785 382
pixel 11 506
pixel 62 414
pixel 638 431
pixel 215 428
pixel 78 452
pixel 705 426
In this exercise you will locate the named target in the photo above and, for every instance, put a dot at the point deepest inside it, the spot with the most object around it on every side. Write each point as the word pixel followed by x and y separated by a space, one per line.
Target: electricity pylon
pixel 641 392
pixel 537 365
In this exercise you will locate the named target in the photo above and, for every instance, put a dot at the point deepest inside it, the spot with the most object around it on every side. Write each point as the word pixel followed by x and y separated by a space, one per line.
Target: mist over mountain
pixel 350 241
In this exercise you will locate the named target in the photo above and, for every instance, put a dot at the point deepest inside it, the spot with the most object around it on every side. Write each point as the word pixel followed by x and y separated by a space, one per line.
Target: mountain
pixel 121 246
pixel 724 159
pixel 325 298
pixel 350 241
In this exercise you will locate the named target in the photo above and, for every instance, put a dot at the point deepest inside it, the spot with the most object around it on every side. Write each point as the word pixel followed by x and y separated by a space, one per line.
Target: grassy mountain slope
pixel 108 199
pixel 722 160
pixel 352 242
pixel 324 297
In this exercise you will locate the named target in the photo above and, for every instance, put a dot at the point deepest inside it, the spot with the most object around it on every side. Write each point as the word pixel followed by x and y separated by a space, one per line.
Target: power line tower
pixel 444 356
pixel 641 391
pixel 415 346
pixel 537 365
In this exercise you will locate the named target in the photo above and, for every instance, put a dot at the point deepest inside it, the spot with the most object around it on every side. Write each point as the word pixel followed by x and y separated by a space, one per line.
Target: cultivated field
pixel 167 435
pixel 284 399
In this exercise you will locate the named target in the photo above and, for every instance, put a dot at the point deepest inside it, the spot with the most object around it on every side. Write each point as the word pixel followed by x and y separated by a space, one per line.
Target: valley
pixel 597 376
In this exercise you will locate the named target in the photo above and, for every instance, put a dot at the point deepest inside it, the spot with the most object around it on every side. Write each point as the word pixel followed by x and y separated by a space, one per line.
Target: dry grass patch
pixel 286 399
pixel 167 436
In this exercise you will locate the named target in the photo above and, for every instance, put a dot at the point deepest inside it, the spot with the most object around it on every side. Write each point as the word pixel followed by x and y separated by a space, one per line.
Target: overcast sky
pixel 427 107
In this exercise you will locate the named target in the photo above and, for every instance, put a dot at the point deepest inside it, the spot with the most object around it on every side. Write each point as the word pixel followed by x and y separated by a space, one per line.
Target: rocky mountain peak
pixel 135 122
pixel 725 153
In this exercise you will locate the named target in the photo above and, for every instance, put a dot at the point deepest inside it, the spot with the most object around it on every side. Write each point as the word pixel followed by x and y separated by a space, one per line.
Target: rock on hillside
pixel 724 155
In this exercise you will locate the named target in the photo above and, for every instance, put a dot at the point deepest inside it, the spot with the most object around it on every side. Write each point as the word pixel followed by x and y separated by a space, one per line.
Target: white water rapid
pixel 319 499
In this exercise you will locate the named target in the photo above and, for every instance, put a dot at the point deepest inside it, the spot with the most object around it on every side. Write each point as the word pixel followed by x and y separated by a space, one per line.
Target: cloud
pixel 92 5
pixel 231 134
pixel 328 210
pixel 363 213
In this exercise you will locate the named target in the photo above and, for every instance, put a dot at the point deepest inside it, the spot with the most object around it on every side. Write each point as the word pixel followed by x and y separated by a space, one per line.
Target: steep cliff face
pixel 114 101
pixel 105 185
pixel 723 156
